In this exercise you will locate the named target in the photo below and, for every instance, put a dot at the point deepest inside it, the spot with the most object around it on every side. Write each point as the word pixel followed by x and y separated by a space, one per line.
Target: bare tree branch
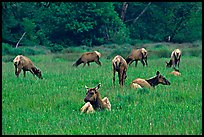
pixel 139 14
pixel 20 39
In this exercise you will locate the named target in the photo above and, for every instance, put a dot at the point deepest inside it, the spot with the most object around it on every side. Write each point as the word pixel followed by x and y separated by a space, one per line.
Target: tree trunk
pixel 124 9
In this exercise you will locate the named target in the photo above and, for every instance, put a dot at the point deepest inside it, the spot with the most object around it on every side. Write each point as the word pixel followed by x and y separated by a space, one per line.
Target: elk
pixel 94 102
pixel 175 59
pixel 151 82
pixel 119 64
pixel 23 63
pixel 137 54
pixel 88 57
pixel 176 72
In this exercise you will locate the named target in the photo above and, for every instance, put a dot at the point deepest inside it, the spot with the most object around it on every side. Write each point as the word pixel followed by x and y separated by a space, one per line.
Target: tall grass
pixel 52 105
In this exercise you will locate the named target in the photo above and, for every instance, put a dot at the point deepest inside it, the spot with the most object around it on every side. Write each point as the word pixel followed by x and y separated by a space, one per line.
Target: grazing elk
pixel 175 59
pixel 151 82
pixel 21 62
pixel 119 64
pixel 88 57
pixel 137 54
pixel 176 72
pixel 94 102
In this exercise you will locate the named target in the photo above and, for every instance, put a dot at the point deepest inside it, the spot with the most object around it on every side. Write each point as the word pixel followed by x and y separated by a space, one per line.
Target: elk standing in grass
pixel 137 54
pixel 119 64
pixel 22 62
pixel 175 59
pixel 94 102
pixel 151 82
pixel 88 57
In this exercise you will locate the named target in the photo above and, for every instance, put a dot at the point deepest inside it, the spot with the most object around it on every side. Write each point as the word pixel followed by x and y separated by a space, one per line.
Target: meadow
pixel 52 105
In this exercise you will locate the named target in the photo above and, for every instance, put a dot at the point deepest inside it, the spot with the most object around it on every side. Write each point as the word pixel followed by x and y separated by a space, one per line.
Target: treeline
pixel 63 24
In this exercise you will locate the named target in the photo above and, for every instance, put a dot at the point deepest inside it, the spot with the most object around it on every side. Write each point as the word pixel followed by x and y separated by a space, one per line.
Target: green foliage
pixel 56 47
pixel 66 24
pixel 121 50
pixel 8 50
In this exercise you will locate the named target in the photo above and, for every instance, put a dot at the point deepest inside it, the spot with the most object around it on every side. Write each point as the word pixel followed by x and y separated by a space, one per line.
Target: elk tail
pixel 117 65
pixel 98 53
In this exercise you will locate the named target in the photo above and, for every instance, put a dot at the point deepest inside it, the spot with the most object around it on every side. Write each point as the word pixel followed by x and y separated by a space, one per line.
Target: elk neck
pixel 97 104
pixel 153 81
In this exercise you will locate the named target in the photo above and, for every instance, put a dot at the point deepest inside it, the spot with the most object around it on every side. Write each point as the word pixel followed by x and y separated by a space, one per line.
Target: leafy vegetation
pixel 59 25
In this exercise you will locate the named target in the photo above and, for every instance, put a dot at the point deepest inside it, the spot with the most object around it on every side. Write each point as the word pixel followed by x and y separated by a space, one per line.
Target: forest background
pixel 55 26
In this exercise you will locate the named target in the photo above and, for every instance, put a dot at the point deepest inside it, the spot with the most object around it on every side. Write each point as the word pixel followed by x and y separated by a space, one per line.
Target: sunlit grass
pixel 52 105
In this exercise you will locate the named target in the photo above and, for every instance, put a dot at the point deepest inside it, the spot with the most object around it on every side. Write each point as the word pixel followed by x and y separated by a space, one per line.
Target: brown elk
pixel 119 64
pixel 23 63
pixel 151 82
pixel 137 54
pixel 176 72
pixel 88 57
pixel 175 59
pixel 94 102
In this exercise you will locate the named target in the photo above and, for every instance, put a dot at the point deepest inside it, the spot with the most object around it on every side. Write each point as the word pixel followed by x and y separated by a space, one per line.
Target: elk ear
pixel 157 73
pixel 86 87
pixel 98 86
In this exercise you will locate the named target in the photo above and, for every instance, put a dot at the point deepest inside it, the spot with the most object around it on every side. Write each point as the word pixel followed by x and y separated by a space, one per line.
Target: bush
pixel 6 48
pixel 36 50
pixel 80 49
pixel 8 58
pixel 122 52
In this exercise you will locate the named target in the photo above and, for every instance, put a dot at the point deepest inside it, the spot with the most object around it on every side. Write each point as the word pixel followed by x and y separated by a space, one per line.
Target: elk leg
pixel 19 71
pixel 88 63
pixel 136 63
pixel 98 62
pixel 113 76
pixel 15 69
pixel 131 62
pixel 123 77
pixel 119 77
pixel 173 64
pixel 178 63
pixel 146 61
pixel 107 103
pixel 84 64
pixel 90 109
pixel 32 72
pixel 142 61
pixel 24 73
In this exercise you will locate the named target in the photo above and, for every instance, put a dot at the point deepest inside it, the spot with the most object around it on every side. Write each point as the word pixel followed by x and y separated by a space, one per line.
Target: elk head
pixel 92 93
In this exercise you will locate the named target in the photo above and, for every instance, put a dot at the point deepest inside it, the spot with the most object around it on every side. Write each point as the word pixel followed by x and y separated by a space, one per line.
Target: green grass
pixel 52 105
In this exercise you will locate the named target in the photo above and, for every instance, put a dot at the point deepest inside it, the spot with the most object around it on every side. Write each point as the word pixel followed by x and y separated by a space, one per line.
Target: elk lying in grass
pixel 151 82
pixel 94 102
pixel 176 72
pixel 22 62
pixel 119 64
pixel 88 57
pixel 137 54
pixel 175 59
